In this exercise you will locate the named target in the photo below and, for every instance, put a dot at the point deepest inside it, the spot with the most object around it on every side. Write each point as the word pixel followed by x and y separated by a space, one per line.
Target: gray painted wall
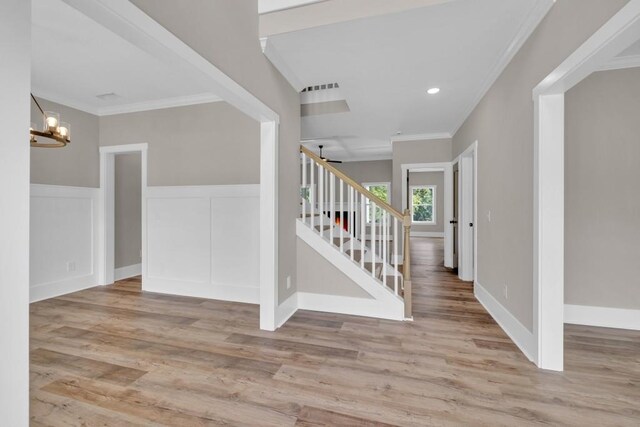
pixel 503 125
pixel 226 33
pixel 318 276
pixel 128 209
pixel 75 165
pixel 602 200
pixel 371 171
pixel 424 151
pixel 202 144
pixel 437 179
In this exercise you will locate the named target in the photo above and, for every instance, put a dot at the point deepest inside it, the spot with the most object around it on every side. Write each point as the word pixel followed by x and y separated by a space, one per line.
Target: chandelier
pixel 52 128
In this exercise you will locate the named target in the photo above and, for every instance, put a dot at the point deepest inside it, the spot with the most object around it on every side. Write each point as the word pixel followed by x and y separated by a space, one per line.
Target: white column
pixel 15 84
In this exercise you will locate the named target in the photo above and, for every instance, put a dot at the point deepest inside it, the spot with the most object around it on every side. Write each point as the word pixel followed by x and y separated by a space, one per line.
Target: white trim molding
pixel 421 137
pixel 622 62
pixel 438 234
pixel 344 305
pixel 287 309
pixel 606 317
pixel 158 104
pixel 519 334
pixel 127 272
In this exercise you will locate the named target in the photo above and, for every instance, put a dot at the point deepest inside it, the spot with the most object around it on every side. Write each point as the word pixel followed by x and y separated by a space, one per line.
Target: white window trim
pixel 376 184
pixel 434 204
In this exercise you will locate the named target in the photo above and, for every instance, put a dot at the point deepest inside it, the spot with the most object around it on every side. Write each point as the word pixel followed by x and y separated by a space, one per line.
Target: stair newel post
pixel 406 265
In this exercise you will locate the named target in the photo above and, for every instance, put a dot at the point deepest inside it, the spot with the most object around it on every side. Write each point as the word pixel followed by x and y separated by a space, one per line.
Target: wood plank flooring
pixel 115 356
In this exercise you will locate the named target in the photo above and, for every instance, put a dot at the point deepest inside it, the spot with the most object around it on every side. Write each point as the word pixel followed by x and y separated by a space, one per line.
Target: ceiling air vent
pixel 322 99
pixel 320 87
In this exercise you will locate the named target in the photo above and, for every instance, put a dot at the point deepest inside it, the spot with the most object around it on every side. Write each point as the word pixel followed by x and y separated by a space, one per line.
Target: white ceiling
pixel 385 64
pixel 74 59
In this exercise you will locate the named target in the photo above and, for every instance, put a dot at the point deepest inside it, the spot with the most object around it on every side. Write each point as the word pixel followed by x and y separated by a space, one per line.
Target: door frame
pixel 106 203
pixel 620 32
pixel 468 204
pixel 447 168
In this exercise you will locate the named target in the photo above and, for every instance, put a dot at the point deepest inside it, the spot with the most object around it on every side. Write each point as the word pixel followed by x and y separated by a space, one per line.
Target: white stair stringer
pixel 384 303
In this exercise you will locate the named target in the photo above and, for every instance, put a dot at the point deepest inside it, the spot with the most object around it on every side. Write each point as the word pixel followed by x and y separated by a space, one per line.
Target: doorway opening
pixel 121 217
pixel 464 225
pixel 424 194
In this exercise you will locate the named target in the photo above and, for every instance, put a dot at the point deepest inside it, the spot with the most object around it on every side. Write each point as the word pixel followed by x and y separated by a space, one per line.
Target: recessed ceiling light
pixel 433 90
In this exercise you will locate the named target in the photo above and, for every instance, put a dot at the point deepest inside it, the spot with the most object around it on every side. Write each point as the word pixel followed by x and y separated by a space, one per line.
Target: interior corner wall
pixel 75 165
pixel 226 34
pixel 422 151
pixel 430 178
pixel 316 275
pixel 15 82
pixel 602 203
pixel 502 123
pixel 128 210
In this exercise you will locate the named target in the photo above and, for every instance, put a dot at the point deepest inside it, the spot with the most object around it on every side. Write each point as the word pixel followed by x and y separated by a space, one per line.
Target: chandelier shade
pixel 54 133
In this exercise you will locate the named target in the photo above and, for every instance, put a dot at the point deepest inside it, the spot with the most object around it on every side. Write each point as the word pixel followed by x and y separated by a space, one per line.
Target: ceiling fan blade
pixel 333 161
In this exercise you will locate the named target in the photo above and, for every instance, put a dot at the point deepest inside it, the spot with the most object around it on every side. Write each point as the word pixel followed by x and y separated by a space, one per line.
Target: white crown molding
pixel 281 65
pixel 421 137
pixel 269 6
pixel 67 102
pixel 535 17
pixel 619 63
pixel 179 101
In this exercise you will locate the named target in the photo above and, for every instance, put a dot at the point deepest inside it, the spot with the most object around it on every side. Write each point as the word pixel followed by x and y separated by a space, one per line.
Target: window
pixel 381 190
pixel 305 192
pixel 423 204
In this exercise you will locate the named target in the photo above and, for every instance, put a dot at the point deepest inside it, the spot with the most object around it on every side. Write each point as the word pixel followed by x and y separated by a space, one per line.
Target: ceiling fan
pixel 325 159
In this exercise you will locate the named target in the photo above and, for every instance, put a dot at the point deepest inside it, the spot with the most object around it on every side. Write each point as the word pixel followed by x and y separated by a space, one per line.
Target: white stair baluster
pixel 304 188
pixel 321 191
pixel 384 247
pixel 332 205
pixel 362 229
pixel 341 216
pixel 352 217
pixel 312 193
pixel 373 237
pixel 395 255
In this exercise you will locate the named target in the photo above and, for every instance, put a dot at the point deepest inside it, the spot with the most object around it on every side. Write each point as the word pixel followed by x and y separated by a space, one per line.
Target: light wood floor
pixel 116 356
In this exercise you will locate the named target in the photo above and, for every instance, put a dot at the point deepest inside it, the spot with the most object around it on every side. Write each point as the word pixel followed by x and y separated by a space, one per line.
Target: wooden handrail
pixel 359 188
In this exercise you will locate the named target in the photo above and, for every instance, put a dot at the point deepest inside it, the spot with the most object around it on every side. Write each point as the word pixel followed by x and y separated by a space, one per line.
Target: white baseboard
pixel 287 309
pixel 55 289
pixel 518 333
pixel 244 294
pixel 605 317
pixel 345 305
pixel 427 234
pixel 127 272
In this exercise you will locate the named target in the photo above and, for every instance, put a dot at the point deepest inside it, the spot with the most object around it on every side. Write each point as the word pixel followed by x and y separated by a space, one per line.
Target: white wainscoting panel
pixel 203 241
pixel 63 240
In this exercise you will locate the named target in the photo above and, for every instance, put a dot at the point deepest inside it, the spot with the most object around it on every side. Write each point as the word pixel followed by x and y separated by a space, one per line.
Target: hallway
pixel 115 356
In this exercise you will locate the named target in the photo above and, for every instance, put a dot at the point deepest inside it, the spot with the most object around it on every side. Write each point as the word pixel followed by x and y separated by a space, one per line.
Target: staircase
pixel 358 233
